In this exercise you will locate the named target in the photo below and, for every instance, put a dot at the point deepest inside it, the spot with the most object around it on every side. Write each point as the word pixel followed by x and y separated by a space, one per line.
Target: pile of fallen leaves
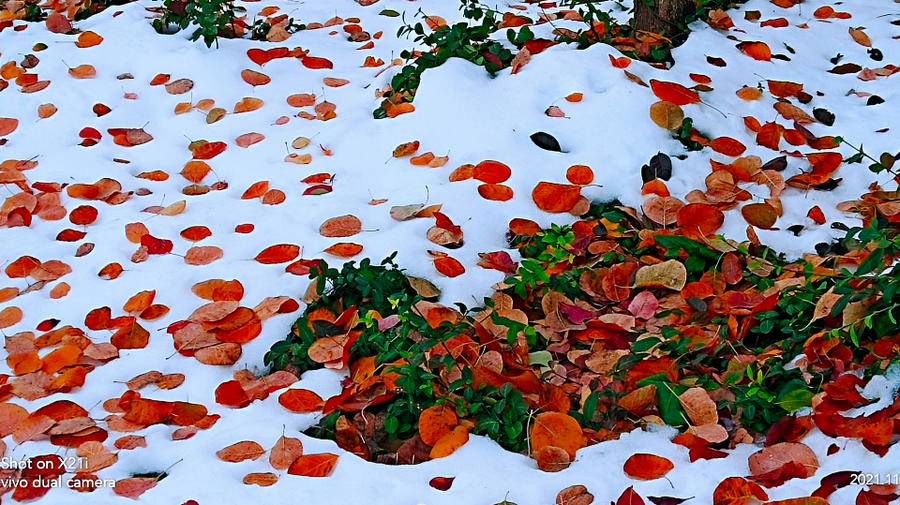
pixel 614 323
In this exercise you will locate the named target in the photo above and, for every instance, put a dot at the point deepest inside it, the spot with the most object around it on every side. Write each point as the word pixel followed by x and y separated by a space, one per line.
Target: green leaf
pixel 669 404
pixel 794 395
pixel 540 358
pixel 391 13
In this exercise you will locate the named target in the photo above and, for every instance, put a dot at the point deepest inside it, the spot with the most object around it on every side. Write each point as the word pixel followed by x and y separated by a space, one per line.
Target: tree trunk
pixel 663 17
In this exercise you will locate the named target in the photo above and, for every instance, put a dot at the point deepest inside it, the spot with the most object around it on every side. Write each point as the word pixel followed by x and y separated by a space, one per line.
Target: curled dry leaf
pixel 574 495
pixel 698 406
pixel 670 274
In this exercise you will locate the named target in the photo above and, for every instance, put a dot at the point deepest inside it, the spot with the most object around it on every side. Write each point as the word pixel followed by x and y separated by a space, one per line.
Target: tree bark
pixel 662 17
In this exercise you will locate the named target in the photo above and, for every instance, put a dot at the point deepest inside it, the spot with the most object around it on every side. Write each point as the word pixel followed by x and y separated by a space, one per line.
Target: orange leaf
pixel 256 190
pixel 406 149
pixel 491 172
pixel 332 82
pixel 449 266
pixel 435 422
pixel 285 451
pixel 207 150
pixel 580 174
pixel 756 50
pixel 524 227
pixel 248 139
pixel 203 255
pixel 274 197
pixel 241 451
pixel 263 479
pixel 314 465
pixel 300 401
pixel 301 100
pixel 248 104
pixel 738 491
pixel 449 443
pixel 559 430
pixel 8 125
pixel 647 466
pixel 727 146
pixel 88 39
pixel 10 316
pixel 134 232
pixel 784 89
pixel 699 219
pixel 344 249
pixel 224 354
pixel 218 290
pixel 422 159
pixel 139 302
pixel 495 192
pixel 134 487
pixel 341 226
pixel 254 78
pixel 46 110
pixel 555 198
pixel 83 72
pixel 749 93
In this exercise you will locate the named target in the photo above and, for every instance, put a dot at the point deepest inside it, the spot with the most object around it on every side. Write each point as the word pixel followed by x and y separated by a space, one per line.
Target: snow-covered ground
pixel 461 112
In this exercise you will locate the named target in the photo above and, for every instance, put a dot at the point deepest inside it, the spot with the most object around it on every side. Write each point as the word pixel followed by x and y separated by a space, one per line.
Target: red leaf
pixel 449 266
pixel 441 483
pixel 156 245
pixel 647 466
pixel 316 63
pixel 738 491
pixel 630 497
pixel 699 219
pixel 279 253
pixel 727 146
pixel 208 150
pixel 232 394
pixel 622 62
pixel 816 214
pixel 673 92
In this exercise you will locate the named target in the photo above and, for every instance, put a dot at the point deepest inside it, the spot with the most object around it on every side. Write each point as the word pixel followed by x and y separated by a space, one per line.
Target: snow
pixel 460 111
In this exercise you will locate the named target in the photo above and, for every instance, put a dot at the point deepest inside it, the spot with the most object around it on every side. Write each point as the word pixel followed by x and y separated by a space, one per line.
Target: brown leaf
pixel 667 115
pixel 669 274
